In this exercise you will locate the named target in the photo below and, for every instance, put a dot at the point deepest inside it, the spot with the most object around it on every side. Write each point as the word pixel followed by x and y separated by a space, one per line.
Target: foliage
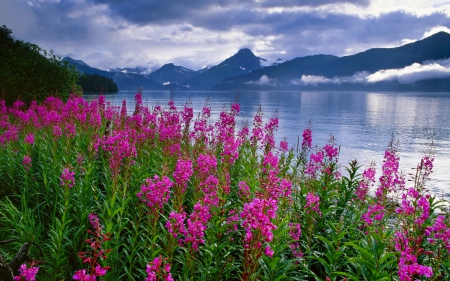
pixel 97 83
pixel 163 196
pixel 28 72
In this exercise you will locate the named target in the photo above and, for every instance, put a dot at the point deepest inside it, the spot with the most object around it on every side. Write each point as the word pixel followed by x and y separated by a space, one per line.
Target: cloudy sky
pixel 198 33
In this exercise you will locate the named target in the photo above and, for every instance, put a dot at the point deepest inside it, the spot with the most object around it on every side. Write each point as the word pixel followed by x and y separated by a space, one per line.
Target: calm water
pixel 362 123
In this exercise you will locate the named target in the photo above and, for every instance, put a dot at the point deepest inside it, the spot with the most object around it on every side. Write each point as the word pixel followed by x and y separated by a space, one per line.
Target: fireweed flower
pixel 26 162
pixel 312 203
pixel 374 212
pixel 256 221
pixel 155 193
pixel 257 131
pixel 315 164
pixel 295 234
pixel 284 146
pixel 197 225
pixel 206 164
pixel 175 224
pixel 57 133
pixel 183 172
pixel 27 273
pixel 307 139
pixel 158 268
pixel 244 191
pixel 29 138
pixel 121 147
pixel 94 220
pixel 408 267
pixel 330 151
pixel 440 231
pixel 92 257
pixel 67 178
pixel 209 188
pixel 391 180
pixel 367 181
pixel 70 130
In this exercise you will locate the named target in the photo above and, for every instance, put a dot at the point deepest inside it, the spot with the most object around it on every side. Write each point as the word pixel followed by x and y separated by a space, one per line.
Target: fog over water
pixel 363 124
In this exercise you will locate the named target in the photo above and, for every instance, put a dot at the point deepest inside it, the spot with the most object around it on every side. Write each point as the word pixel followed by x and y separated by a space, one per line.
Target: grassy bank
pixel 163 195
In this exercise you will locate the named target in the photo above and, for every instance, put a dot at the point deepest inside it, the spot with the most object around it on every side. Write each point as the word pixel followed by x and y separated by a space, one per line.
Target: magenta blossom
pixel 29 138
pixel 67 178
pixel 27 273
pixel 26 162
pixel 307 138
pixel 312 203
pixel 158 268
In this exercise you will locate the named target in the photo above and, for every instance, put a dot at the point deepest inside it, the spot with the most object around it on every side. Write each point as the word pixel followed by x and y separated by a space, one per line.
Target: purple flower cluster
pixel 256 221
pixel 27 273
pixel 440 231
pixel 121 146
pixel 29 138
pixel 155 193
pixel 175 224
pixel 376 212
pixel 307 139
pixel 158 269
pixel 183 172
pixel 26 162
pixel 67 178
pixel 408 267
pixel 391 180
pixel 312 203
pixel 295 233
pixel 196 226
pixel 367 181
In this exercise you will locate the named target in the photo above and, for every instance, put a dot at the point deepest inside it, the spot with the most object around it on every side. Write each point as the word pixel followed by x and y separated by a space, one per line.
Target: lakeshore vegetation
pixel 159 194
pixel 30 73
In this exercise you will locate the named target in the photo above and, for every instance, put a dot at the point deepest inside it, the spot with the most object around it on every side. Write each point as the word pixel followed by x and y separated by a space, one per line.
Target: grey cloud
pixel 171 11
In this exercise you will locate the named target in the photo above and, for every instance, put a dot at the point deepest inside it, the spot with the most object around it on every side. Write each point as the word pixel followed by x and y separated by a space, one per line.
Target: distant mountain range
pixel 423 65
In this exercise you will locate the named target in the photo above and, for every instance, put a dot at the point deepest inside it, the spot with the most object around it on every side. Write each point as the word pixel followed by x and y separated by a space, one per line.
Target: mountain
pixel 243 62
pixel 171 74
pixel 322 67
pixel 125 81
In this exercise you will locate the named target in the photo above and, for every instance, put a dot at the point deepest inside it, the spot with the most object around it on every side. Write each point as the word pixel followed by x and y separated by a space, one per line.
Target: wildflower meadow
pixel 168 194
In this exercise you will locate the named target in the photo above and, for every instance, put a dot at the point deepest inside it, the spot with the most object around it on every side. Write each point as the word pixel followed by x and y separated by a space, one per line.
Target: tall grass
pixel 161 195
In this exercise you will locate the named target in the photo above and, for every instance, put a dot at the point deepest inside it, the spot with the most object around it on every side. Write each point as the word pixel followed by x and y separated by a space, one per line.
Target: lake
pixel 362 123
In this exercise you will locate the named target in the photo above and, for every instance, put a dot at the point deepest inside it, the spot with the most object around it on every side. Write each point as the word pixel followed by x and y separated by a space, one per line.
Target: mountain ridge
pixel 244 70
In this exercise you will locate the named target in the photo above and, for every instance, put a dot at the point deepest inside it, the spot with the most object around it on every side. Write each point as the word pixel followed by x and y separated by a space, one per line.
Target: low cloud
pixel 263 81
pixel 359 77
pixel 412 73
pixel 407 75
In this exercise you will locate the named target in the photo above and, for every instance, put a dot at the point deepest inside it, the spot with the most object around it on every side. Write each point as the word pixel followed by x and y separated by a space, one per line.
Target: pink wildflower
pixel 29 138
pixel 26 162
pixel 67 178
pixel 175 224
pixel 27 273
pixel 312 203
pixel 155 193
pixel 307 139
pixel 367 181
pixel 157 268
pixel 182 173
pixel 197 225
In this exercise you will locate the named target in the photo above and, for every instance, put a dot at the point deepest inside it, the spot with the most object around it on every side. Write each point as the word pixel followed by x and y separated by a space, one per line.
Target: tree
pixel 28 72
pixel 97 83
